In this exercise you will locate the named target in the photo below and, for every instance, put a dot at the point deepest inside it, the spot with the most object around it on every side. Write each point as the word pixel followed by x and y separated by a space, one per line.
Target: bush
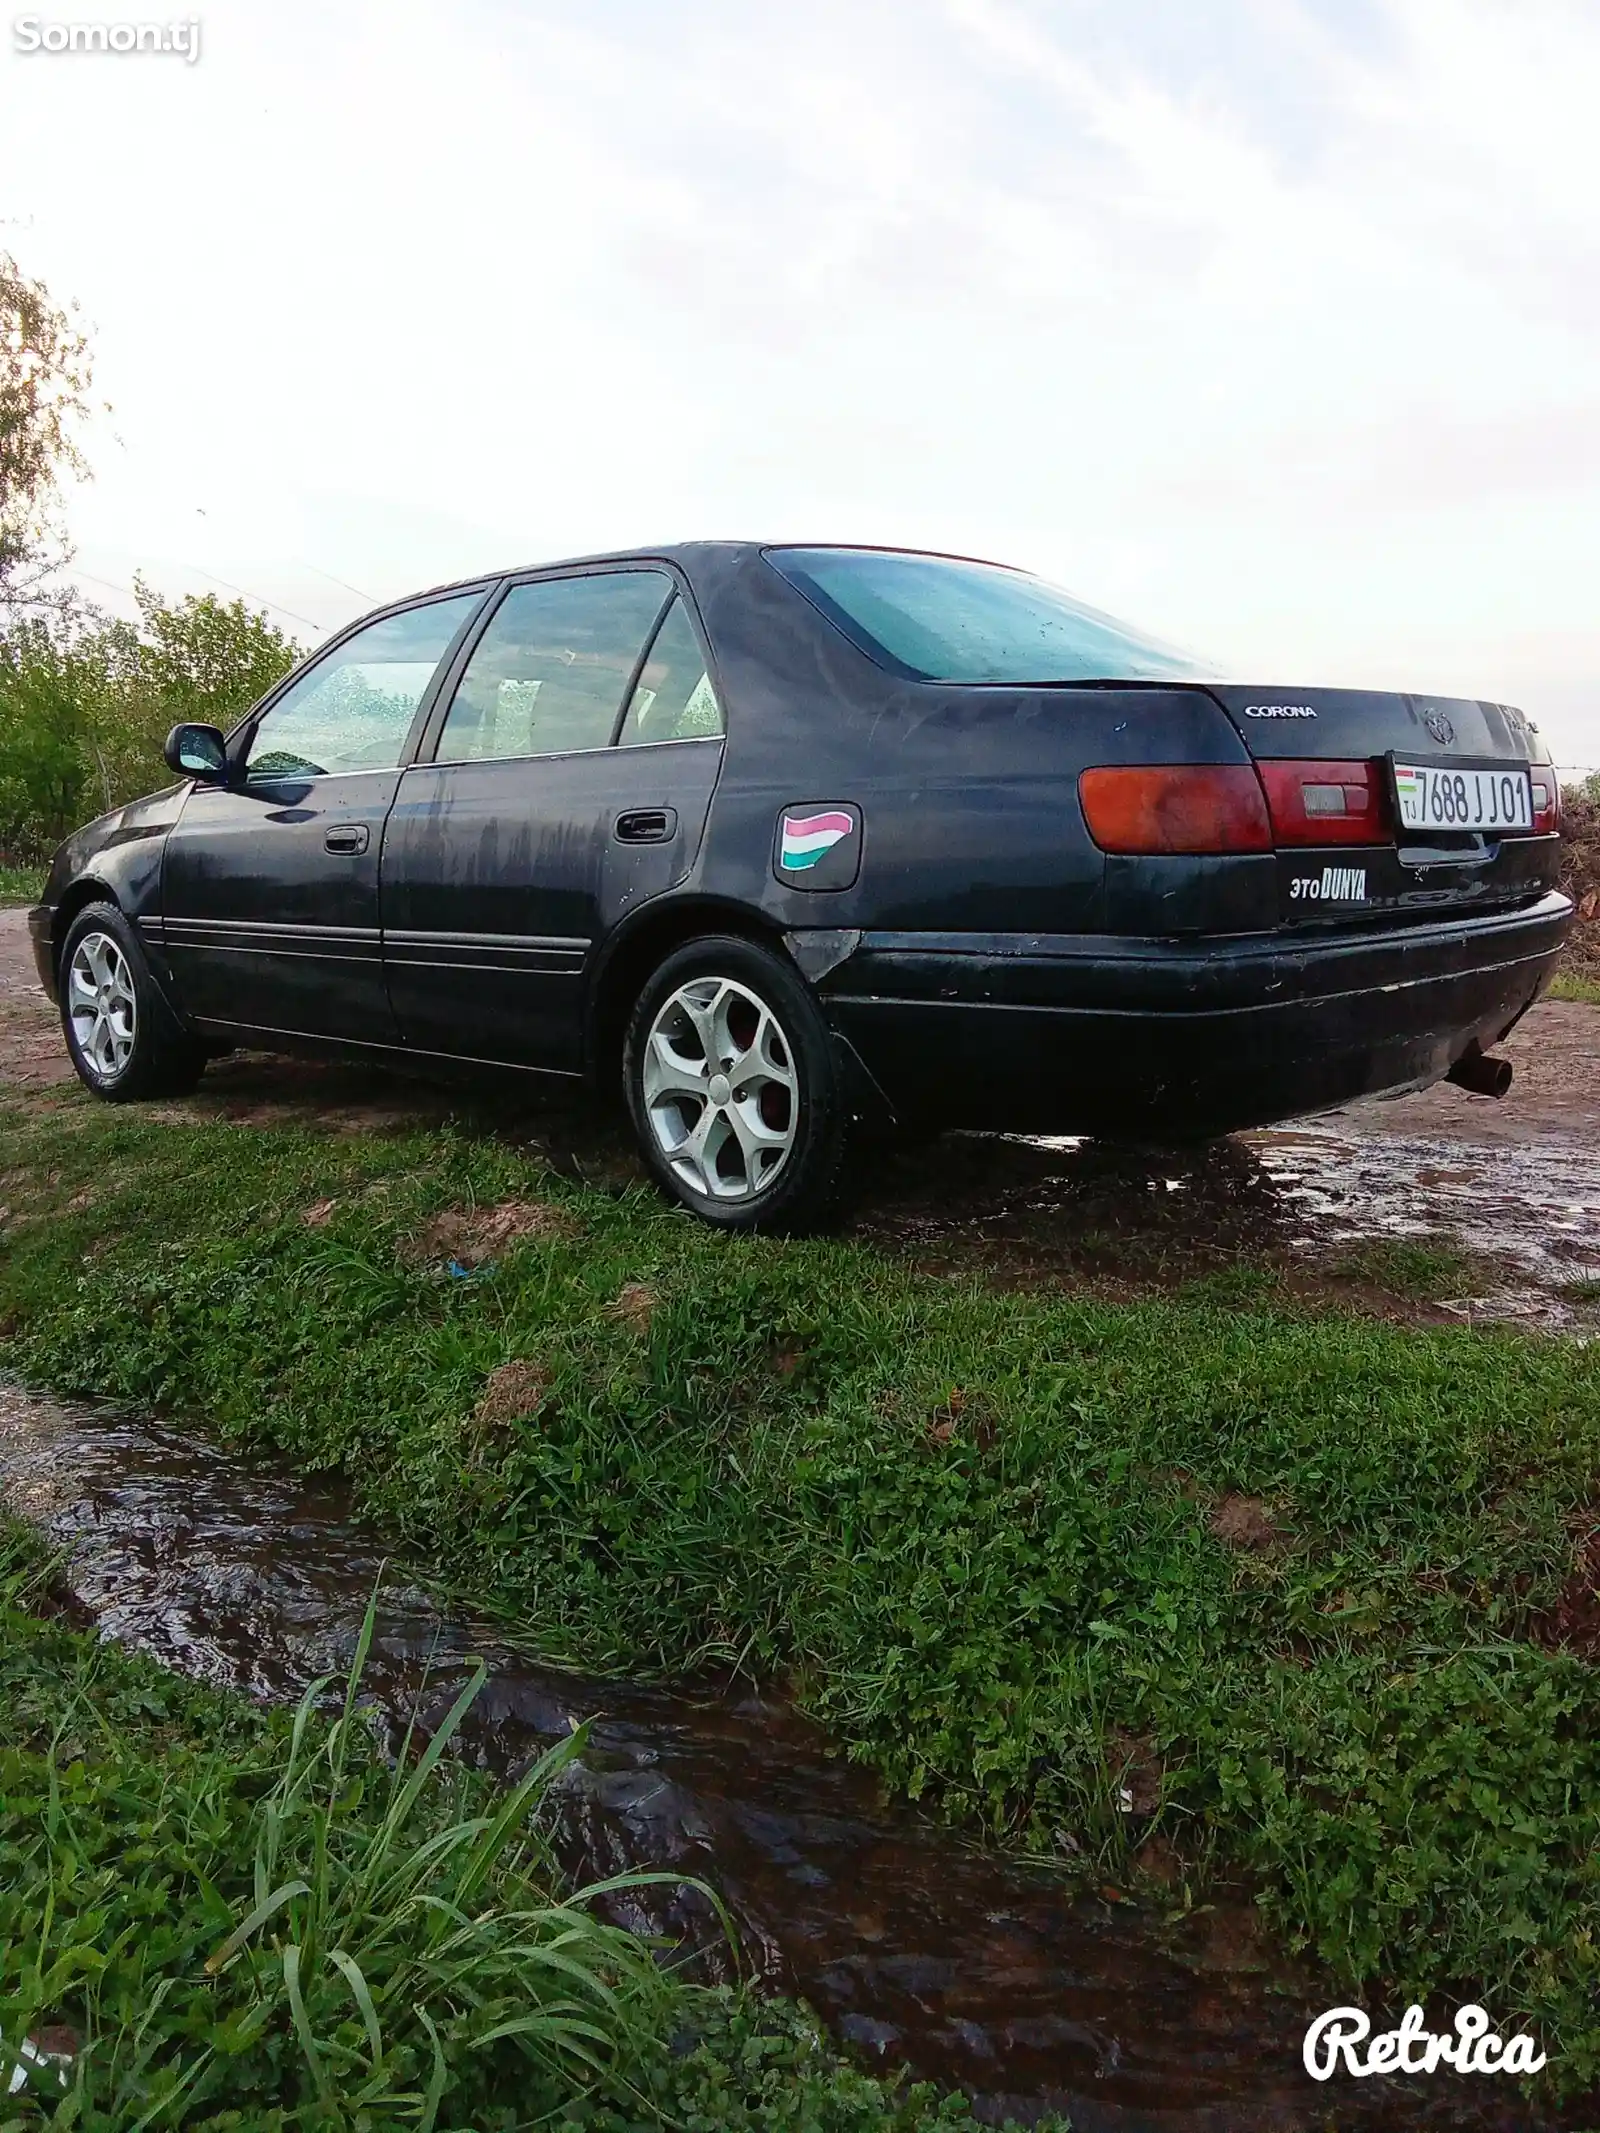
pixel 85 704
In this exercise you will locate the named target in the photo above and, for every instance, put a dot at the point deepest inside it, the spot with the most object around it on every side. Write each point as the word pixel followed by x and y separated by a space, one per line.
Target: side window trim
pixel 638 667
pixel 697 629
pixel 449 678
pixel 430 694
pixel 452 670
pixel 240 736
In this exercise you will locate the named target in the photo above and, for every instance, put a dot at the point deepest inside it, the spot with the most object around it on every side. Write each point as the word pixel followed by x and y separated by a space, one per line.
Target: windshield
pixel 937 619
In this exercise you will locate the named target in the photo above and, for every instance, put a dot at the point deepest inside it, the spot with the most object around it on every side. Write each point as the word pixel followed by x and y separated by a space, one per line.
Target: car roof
pixel 686 553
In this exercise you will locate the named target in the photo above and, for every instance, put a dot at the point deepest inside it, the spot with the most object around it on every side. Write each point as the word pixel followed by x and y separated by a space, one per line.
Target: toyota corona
pixel 791 847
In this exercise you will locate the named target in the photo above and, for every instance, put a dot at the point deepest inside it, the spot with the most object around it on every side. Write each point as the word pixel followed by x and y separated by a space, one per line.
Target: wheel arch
pixel 95 889
pixel 89 889
pixel 634 951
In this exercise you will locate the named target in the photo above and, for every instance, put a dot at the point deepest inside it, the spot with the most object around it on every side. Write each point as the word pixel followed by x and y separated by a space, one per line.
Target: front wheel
pixel 733 1088
pixel 121 1035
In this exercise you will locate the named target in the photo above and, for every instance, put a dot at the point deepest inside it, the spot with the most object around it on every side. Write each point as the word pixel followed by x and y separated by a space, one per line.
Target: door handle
pixel 347 837
pixel 647 825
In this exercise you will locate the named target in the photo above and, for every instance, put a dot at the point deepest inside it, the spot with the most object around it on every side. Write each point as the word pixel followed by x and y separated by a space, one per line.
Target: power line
pixel 345 582
pixel 226 584
pixel 75 572
pixel 259 599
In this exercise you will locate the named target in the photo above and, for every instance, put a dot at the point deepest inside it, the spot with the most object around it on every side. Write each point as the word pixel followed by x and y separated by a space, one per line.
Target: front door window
pixel 353 709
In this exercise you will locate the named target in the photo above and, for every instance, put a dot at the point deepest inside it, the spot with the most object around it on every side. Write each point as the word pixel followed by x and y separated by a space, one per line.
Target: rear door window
pixel 549 673
pixel 673 699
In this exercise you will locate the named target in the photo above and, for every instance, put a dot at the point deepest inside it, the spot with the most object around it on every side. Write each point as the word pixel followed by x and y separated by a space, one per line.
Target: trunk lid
pixel 1369 722
pixel 1383 871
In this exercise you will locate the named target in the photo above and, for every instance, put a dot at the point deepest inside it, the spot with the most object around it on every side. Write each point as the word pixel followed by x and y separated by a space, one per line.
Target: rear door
pixel 1390 807
pixel 270 883
pixel 572 764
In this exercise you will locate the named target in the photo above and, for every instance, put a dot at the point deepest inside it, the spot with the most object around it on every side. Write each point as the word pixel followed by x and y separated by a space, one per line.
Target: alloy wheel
pixel 101 1004
pixel 720 1090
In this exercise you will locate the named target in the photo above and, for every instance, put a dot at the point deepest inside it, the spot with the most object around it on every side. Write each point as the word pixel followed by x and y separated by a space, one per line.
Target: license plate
pixel 1440 796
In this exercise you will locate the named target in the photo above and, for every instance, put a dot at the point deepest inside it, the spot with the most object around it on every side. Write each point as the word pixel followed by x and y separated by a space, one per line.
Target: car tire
pixel 122 1036
pixel 772 1155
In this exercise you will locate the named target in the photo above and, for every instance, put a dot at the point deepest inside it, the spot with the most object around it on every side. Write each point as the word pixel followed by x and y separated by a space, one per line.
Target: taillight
pixel 1546 800
pixel 1175 807
pixel 1325 803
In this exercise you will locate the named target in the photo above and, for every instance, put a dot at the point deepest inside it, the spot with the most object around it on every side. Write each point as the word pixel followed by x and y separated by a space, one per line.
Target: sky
pixel 1269 324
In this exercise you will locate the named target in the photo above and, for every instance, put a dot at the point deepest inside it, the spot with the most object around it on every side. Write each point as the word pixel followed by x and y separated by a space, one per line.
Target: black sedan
pixel 791 842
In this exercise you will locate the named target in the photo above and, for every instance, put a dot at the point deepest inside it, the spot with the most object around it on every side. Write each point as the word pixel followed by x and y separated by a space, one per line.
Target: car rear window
pixel 934 618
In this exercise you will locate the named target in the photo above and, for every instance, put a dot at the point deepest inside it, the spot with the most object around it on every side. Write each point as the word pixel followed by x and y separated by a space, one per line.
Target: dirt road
pixel 31 1051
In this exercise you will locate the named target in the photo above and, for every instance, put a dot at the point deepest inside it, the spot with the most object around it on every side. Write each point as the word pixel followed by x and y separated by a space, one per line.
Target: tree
pixel 44 382
pixel 205 659
pixel 198 659
pixel 86 702
pixel 44 772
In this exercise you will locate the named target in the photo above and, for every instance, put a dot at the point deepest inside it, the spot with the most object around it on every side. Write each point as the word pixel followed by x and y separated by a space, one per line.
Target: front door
pixel 270 883
pixel 547 810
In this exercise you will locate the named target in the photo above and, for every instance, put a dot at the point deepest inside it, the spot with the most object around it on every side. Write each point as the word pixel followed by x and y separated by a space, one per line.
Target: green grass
pixel 1405 1266
pixel 970 1528
pixel 21 885
pixel 1573 985
pixel 245 1922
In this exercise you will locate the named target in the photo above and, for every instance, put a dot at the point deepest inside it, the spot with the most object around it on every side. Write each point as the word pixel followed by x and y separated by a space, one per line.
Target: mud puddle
pixel 915 1947
pixel 1530 1211
pixel 1525 1216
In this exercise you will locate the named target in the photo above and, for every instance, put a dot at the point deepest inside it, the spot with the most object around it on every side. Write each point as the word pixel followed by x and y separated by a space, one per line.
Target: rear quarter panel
pixel 968 796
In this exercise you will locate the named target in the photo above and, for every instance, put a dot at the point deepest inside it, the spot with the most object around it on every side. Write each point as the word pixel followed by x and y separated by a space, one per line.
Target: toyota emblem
pixel 1440 727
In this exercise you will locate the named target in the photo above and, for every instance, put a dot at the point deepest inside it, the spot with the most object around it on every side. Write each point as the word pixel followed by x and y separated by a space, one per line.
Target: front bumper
pixel 40 933
pixel 1173 1038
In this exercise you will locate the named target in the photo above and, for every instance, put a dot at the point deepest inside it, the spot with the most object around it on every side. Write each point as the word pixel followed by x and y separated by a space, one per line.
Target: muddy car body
pixel 980 858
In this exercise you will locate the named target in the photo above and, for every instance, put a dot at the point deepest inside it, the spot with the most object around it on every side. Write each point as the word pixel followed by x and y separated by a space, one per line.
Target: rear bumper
pixel 1098 1034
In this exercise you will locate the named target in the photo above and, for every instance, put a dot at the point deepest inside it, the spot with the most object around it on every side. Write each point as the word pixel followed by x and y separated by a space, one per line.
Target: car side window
pixel 353 709
pixel 548 674
pixel 673 699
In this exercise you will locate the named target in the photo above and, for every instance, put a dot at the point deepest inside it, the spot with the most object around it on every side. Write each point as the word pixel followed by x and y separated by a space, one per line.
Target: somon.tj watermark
pixel 29 34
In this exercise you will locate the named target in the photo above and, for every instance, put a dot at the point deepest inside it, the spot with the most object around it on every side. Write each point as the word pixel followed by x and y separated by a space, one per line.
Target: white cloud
pixel 1273 326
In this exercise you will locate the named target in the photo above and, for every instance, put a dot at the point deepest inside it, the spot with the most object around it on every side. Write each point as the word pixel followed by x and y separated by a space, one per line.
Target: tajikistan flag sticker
pixel 806 837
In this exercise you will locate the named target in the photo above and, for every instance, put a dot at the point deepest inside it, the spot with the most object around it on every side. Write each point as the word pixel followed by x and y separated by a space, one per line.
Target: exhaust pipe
pixel 1484 1076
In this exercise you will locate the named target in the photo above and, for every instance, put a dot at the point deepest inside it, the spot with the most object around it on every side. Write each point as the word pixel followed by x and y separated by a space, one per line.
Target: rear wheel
pixel 122 1037
pixel 733 1088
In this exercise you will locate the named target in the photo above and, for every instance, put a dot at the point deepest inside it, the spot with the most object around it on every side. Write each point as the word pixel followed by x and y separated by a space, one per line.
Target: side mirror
pixel 197 752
